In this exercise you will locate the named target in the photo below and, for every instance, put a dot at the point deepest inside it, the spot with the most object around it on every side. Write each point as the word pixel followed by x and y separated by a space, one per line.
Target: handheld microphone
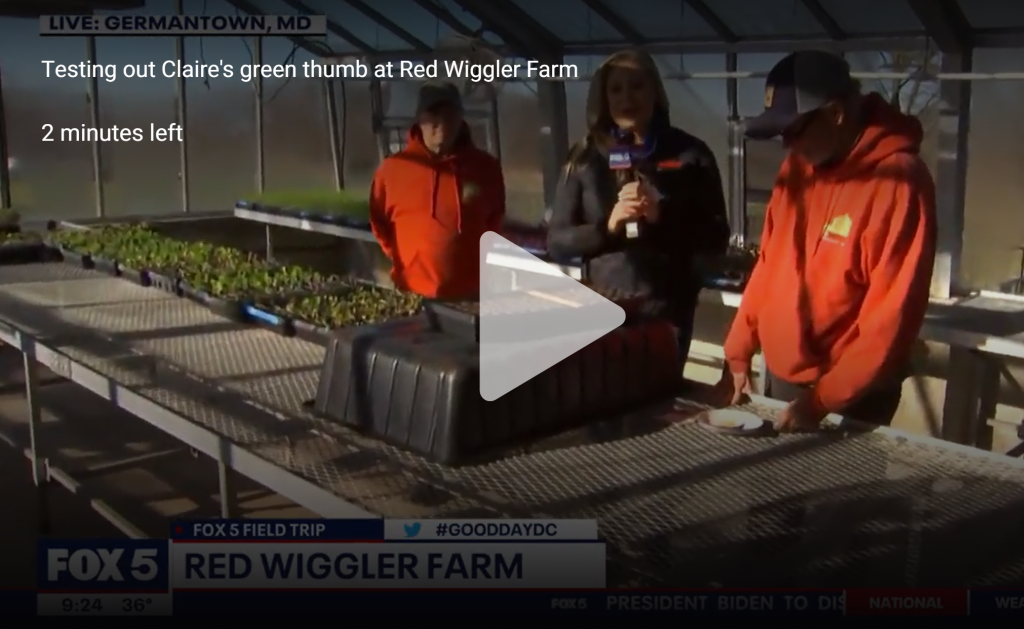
pixel 620 157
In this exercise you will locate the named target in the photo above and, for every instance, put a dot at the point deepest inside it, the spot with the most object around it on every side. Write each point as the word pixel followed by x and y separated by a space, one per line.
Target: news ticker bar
pixel 689 604
pixel 385 530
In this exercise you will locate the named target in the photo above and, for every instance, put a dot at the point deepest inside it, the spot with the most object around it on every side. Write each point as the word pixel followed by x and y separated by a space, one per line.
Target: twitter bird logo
pixel 412 530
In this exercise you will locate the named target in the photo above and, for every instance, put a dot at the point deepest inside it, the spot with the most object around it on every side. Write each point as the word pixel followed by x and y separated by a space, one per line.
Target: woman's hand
pixel 624 212
pixel 645 195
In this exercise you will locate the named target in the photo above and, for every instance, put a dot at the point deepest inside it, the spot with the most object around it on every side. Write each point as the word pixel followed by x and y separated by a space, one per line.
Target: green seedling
pixel 338 202
pixel 363 305
pixel 9 218
pixel 10 238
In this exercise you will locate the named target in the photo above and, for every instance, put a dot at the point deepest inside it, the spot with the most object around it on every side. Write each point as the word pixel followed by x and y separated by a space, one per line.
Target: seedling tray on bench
pixel 332 218
pixel 135 276
pixel 25 252
pixel 74 258
pixel 166 280
pixel 270 313
pixel 311 315
pixel 105 265
pixel 231 308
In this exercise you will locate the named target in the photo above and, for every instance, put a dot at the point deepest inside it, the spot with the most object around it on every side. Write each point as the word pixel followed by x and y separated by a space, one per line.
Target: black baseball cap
pixel 803 82
pixel 434 93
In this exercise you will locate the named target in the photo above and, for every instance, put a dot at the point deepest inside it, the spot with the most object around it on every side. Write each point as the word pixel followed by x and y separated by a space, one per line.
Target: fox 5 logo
pixel 568 603
pixel 103 565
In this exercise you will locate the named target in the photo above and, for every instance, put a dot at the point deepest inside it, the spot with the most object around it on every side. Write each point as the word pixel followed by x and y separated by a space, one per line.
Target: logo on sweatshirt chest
pixel 470 191
pixel 838 229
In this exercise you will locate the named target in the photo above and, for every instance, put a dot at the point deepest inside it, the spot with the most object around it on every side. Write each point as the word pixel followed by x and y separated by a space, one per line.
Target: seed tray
pixel 166 281
pixel 83 260
pixel 266 317
pixel 306 214
pixel 105 265
pixel 266 209
pixel 232 309
pixel 142 278
pixel 311 333
pixel 269 313
pixel 25 253
pixel 325 217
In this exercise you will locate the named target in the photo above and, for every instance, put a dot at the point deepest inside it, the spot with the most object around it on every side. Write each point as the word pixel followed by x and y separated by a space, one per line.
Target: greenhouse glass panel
pixel 664 19
pixel 295 139
pixel 767 18
pixel 570 20
pixel 361 25
pixel 471 21
pixel 414 19
pixel 335 45
pixel 139 177
pixel 221 121
pixel 993 13
pixel 48 179
pixel 872 17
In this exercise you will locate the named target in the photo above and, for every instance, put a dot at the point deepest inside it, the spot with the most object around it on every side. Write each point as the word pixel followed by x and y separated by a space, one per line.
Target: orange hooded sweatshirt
pixel 428 213
pixel 839 293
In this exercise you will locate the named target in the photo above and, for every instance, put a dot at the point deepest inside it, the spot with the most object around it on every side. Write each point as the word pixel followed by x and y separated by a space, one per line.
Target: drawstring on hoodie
pixel 436 187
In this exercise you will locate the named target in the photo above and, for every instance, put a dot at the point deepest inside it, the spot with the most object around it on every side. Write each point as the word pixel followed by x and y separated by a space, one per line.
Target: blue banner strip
pixel 278 530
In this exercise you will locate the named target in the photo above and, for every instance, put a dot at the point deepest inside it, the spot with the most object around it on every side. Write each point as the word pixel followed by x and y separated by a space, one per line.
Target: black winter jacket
pixel 660 263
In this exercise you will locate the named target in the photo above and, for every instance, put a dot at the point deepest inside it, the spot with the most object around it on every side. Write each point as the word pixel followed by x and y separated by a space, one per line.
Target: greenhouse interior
pixel 958 66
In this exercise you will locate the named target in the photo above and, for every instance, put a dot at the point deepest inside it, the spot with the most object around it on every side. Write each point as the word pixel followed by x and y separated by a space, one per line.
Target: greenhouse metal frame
pixel 942 24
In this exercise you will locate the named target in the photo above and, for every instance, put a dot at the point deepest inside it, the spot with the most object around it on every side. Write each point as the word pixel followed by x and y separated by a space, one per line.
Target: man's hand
pixel 733 389
pixel 802 415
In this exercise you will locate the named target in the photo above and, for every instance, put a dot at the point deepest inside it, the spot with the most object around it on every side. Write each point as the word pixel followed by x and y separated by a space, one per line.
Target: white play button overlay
pixel 547 318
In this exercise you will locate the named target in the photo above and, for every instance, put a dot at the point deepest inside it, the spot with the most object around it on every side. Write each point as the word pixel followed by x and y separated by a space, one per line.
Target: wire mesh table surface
pixel 678 504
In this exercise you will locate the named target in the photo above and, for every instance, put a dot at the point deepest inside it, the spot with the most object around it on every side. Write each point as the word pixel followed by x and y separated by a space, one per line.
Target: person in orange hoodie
pixel 431 202
pixel 839 293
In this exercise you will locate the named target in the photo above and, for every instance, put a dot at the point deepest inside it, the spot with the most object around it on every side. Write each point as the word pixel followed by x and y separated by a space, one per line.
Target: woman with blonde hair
pixel 639 199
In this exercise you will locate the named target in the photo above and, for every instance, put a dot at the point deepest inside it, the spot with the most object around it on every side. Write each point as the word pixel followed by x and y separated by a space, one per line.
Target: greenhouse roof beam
pixel 515 27
pixel 333 27
pixel 416 43
pixel 945 24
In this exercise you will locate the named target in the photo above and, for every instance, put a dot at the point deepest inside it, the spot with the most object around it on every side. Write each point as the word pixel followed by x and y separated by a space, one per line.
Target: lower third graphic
pixel 412 530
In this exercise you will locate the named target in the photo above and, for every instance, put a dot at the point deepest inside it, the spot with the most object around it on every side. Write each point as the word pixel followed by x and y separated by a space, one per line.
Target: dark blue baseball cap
pixel 802 82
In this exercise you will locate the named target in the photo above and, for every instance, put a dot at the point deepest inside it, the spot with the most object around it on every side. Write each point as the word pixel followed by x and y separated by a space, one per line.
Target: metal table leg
pixel 227 494
pixel 972 390
pixel 40 473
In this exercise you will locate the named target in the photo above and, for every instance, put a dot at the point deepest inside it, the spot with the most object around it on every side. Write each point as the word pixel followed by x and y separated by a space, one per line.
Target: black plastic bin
pixel 418 388
pixel 460 319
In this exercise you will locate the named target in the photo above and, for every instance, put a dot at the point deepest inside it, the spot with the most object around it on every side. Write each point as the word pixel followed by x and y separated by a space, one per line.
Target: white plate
pixel 734 420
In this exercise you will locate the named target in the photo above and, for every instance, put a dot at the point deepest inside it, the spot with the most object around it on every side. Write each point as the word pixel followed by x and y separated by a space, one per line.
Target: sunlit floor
pixel 146 476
